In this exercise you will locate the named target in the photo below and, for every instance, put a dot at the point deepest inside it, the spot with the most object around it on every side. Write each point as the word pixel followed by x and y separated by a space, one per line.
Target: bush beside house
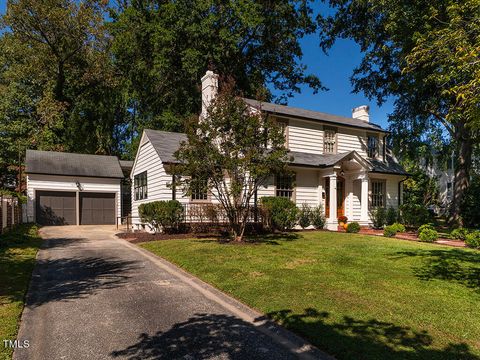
pixel 162 215
pixel 473 239
pixel 279 213
pixel 427 233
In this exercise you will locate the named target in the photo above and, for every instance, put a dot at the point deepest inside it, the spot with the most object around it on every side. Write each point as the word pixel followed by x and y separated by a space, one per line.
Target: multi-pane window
pixel 284 185
pixel 372 146
pixel 200 190
pixel 329 141
pixel 377 194
pixel 140 186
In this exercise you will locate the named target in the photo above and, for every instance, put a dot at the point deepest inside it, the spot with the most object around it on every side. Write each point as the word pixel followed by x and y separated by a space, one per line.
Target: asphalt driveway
pixel 94 296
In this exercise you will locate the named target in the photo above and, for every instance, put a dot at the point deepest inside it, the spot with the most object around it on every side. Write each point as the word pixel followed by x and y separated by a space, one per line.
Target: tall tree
pixel 58 90
pixel 164 47
pixel 426 55
pixel 231 153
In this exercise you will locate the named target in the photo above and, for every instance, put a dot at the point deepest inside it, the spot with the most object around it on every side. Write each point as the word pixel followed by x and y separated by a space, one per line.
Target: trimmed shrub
pixel 391 216
pixel 280 213
pixel 473 239
pixel 424 227
pixel 353 227
pixel 378 217
pixel 459 233
pixel 304 216
pixel 398 227
pixel 392 230
pixel 428 235
pixel 389 231
pixel 317 217
pixel 162 215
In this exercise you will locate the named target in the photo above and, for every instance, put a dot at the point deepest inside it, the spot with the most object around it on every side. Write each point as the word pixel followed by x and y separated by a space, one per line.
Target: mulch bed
pixel 140 236
pixel 412 236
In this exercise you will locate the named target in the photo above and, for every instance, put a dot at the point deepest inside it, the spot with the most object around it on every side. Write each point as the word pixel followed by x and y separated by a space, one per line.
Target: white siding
pixel 157 179
pixel 306 190
pixel 357 196
pixel 351 139
pixel 68 183
pixel 305 136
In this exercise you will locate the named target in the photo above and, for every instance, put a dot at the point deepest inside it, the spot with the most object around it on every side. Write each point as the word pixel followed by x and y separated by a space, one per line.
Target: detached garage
pixel 73 189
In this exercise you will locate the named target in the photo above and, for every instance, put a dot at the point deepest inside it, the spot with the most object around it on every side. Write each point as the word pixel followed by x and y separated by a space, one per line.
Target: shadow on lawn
pixel 205 336
pixel 455 265
pixel 372 339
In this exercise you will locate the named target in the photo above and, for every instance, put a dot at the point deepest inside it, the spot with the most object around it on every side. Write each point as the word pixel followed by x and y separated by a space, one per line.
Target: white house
pixel 74 189
pixel 339 162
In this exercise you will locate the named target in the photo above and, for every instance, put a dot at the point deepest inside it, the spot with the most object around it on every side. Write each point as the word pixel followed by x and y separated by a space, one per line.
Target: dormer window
pixel 330 141
pixel 372 146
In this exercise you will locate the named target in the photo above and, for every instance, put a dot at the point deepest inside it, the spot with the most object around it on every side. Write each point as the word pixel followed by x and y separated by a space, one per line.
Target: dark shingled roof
pixel 61 163
pixel 313 115
pixel 391 166
pixel 166 143
pixel 320 160
pixel 126 165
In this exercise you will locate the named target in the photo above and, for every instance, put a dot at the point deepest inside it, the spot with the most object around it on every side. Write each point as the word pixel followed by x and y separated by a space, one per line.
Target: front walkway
pixel 94 296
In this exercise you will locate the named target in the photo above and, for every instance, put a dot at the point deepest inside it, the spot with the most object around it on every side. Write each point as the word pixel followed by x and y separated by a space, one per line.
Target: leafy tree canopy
pixel 58 90
pixel 231 153
pixel 163 48
pixel 426 55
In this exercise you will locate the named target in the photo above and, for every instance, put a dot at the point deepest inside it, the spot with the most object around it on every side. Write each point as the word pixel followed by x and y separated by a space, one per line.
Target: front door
pixel 340 196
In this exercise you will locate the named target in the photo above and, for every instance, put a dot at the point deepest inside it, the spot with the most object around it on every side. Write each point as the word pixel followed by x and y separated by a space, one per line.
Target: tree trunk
pixel 464 148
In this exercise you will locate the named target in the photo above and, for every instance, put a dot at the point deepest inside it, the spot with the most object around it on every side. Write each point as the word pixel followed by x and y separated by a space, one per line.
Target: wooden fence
pixel 10 212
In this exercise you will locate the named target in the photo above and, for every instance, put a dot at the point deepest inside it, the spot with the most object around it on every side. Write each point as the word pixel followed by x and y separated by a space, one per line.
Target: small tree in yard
pixel 231 153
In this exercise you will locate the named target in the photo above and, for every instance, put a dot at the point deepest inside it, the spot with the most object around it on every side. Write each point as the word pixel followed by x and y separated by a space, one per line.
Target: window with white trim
pixel 140 186
pixel 377 198
pixel 329 141
pixel 284 185
pixel 200 190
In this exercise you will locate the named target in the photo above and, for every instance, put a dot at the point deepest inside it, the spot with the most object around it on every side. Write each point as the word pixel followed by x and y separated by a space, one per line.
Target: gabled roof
pixel 324 160
pixel 390 166
pixel 313 115
pixel 70 164
pixel 165 143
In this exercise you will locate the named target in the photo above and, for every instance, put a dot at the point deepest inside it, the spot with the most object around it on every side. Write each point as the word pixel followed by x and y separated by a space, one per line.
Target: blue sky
pixel 334 71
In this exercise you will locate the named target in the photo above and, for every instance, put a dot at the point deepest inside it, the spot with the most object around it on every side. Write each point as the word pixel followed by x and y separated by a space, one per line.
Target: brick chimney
pixel 361 113
pixel 209 90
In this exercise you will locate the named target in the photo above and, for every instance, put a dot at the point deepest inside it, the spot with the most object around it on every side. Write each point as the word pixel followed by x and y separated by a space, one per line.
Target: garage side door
pixel 56 208
pixel 97 209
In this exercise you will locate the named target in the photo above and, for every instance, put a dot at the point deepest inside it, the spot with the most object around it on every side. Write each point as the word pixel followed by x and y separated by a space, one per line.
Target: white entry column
pixel 364 218
pixel 332 223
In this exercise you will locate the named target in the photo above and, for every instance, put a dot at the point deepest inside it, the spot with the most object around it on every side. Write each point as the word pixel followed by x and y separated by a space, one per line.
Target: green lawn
pixel 354 296
pixel 17 259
